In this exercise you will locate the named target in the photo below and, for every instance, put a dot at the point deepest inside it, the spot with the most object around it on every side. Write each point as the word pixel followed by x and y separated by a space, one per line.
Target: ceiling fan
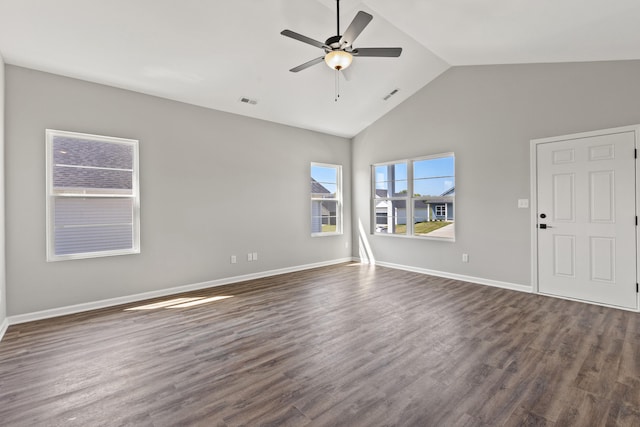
pixel 338 49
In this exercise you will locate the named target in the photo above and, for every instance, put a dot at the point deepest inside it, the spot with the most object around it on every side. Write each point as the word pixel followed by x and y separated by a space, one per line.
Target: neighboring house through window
pixel 415 197
pixel 326 199
pixel 92 196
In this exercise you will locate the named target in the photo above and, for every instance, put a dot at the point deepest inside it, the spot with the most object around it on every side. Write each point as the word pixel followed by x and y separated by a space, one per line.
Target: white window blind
pixel 93 196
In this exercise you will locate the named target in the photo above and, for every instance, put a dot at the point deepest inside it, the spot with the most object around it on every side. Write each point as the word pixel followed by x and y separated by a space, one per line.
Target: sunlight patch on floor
pixel 199 301
pixel 178 303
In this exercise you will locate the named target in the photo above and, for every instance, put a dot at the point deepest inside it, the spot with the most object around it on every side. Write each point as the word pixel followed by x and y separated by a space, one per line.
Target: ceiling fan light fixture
pixel 338 59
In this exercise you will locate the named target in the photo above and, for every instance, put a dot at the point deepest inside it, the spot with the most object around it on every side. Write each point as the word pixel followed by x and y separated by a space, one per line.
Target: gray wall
pixel 3 292
pixel 212 184
pixel 487 115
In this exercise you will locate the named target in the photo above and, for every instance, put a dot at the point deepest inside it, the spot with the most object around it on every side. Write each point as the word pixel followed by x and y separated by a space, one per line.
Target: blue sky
pixel 327 176
pixel 431 177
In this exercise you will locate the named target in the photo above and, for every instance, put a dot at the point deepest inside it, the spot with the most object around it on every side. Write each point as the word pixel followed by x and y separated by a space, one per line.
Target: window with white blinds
pixel 92 196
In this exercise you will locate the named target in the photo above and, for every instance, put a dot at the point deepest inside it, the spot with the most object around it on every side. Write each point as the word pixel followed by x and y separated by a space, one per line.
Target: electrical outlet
pixel 255 256
pixel 465 257
pixel 523 203
pixel 233 259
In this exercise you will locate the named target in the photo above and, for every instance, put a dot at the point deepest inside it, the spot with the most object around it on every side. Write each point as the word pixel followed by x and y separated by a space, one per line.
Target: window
pixel 415 197
pixel 326 199
pixel 92 196
pixel 390 198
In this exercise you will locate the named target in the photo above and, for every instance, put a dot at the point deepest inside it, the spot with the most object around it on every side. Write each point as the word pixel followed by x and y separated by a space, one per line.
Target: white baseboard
pixel 78 308
pixel 3 327
pixel 461 277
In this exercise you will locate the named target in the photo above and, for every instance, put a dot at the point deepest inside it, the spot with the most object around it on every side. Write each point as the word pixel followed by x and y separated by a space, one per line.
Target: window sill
pixel 328 234
pixel 404 236
pixel 55 258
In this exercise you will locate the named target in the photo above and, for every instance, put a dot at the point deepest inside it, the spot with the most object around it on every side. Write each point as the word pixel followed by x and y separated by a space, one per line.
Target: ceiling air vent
pixel 393 92
pixel 248 101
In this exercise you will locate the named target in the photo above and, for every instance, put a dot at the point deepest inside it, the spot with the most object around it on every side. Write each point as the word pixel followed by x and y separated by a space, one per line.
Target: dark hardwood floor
pixel 347 345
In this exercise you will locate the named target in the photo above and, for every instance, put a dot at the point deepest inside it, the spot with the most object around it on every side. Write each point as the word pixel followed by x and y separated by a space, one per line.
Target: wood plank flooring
pixel 346 345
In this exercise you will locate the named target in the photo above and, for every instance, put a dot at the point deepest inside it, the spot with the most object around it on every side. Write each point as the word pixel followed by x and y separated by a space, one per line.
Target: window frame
pixel 51 196
pixel 409 199
pixel 337 199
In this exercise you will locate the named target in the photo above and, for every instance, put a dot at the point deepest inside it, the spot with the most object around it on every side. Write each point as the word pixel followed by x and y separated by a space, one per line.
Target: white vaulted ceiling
pixel 212 53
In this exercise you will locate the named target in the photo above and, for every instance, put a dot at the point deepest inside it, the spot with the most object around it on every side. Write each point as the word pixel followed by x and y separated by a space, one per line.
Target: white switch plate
pixel 255 256
pixel 523 203
pixel 249 256
pixel 233 259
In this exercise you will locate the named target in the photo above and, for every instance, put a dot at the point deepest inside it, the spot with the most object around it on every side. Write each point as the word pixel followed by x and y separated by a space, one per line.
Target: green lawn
pixel 328 228
pixel 422 227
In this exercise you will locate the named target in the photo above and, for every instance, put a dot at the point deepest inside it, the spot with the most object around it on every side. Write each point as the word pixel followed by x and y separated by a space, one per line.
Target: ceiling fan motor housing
pixel 334 42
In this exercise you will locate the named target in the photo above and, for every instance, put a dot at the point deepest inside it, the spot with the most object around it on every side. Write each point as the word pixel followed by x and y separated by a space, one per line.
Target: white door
pixel 587 218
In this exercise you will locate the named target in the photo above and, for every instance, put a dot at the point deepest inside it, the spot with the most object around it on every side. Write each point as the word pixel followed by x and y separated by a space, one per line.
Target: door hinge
pixel 636 288
pixel 635 153
pixel 636 220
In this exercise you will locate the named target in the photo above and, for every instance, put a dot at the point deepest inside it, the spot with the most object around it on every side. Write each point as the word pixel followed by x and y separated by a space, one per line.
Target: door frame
pixel 534 203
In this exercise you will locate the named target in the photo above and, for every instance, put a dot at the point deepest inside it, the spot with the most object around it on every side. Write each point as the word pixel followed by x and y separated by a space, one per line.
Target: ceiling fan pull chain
pixel 337 85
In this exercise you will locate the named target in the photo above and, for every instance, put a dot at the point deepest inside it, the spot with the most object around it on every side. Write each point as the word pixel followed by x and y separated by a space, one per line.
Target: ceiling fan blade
pixel 361 20
pixel 307 64
pixel 304 39
pixel 389 52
